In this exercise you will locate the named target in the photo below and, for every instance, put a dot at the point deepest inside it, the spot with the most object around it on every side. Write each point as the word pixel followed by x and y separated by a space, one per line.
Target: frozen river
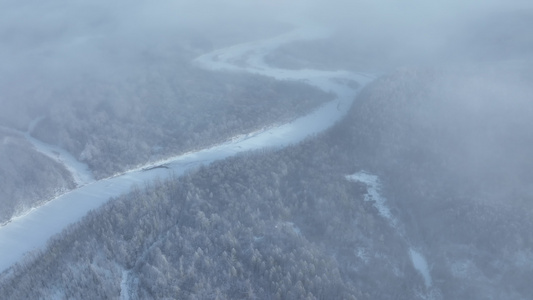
pixel 32 230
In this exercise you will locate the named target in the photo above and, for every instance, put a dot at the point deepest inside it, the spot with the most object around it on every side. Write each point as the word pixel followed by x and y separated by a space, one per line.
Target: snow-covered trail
pixel 80 172
pixel 380 203
pixel 31 231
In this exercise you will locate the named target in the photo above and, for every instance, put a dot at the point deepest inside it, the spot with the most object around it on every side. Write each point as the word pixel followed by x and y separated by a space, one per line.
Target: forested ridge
pixel 422 191
pixel 287 224
pixel 155 112
pixel 117 100
pixel 113 127
pixel 24 185
pixel 265 225
pixel 451 145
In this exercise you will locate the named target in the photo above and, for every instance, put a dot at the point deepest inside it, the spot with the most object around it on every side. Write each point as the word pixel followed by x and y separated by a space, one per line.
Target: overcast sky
pixel 29 23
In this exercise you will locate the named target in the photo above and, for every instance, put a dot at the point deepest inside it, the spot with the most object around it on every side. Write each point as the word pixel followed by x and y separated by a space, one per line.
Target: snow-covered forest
pixel 340 150
pixel 287 223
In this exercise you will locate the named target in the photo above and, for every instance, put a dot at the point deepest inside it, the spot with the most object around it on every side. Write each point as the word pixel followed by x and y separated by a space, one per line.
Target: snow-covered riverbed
pixel 380 203
pixel 32 230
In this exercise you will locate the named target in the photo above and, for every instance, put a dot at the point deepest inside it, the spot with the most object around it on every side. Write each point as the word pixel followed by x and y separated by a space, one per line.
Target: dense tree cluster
pixel 24 185
pixel 268 225
pixel 452 147
pixel 165 111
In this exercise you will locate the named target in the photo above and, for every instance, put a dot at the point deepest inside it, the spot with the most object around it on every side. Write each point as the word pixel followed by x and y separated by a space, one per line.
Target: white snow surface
pixel 124 286
pixel 421 265
pixel 32 230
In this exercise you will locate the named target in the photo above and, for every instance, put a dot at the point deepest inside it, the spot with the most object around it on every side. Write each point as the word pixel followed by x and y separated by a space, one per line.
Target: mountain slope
pixel 24 186
pixel 288 223
pixel 452 147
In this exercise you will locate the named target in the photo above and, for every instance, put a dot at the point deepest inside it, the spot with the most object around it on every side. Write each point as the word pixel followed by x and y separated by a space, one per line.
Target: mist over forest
pixel 266 149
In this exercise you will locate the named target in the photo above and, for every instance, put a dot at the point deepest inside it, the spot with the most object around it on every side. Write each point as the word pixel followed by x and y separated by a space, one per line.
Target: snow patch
pixel 362 253
pixel 373 195
pixel 124 286
pixel 294 228
pixel 421 265
pixel 56 294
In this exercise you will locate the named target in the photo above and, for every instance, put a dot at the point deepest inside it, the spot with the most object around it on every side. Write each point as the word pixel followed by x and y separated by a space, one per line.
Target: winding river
pixel 31 231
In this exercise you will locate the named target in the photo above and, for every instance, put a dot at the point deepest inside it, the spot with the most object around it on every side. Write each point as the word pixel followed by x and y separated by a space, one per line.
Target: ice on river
pixel 32 230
